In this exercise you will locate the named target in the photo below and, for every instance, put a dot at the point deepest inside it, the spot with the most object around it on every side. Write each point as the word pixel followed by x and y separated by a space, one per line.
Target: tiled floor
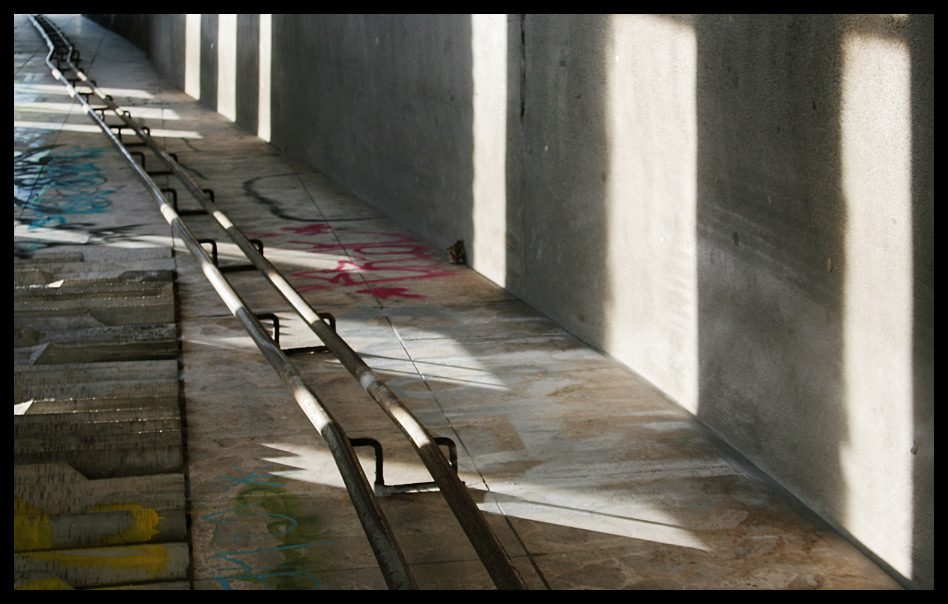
pixel 590 478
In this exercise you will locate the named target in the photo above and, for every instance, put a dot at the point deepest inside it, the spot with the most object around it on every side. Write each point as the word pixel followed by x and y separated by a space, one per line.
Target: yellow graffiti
pixel 144 523
pixel 49 583
pixel 32 532
pixel 33 529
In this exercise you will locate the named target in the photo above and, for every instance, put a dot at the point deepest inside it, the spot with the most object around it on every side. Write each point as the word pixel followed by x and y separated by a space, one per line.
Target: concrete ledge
pixel 104 566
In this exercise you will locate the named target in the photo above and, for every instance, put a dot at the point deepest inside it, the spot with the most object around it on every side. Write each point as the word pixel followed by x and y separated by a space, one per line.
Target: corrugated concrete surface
pixel 99 488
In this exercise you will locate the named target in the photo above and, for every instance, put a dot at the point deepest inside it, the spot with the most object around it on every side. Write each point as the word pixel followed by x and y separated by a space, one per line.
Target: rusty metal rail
pixel 378 531
pixel 488 548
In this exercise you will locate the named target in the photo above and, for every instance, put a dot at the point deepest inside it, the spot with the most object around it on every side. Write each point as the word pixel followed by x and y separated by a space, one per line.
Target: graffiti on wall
pixel 264 512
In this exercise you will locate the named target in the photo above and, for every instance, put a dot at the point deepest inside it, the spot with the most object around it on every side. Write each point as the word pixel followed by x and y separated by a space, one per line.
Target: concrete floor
pixel 590 477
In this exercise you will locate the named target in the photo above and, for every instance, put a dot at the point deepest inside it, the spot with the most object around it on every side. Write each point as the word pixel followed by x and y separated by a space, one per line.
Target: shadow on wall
pixel 770 226
pixel 557 202
pixel 814 155
pixel 248 72
pixel 208 60
pixel 921 47
pixel 792 304
pixel 395 111
pixel 803 283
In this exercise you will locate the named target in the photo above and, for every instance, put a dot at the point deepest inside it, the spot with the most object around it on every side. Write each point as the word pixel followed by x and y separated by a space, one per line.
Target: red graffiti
pixel 366 259
pixel 388 292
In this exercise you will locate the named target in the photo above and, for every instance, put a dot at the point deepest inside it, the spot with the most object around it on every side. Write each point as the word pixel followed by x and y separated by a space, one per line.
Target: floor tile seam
pixel 584 512
pixel 515 369
pixel 299 179
pixel 619 479
pixel 25 62
pixel 554 332
pixel 98 45
pixel 470 457
pixel 417 371
pixel 349 258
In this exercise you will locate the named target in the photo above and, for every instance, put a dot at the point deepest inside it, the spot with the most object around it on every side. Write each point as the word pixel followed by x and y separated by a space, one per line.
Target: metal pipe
pixel 391 559
pixel 491 552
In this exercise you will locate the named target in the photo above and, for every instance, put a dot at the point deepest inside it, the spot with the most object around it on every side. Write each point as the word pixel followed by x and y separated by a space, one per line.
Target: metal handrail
pixel 491 552
pixel 378 531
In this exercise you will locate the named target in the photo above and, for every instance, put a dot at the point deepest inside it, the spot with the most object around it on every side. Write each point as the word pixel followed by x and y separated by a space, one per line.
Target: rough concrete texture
pixel 688 194
pixel 99 496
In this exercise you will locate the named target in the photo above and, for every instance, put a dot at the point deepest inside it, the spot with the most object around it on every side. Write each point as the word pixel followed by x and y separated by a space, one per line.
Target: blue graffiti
pixel 263 499
pixel 246 572
pixel 49 188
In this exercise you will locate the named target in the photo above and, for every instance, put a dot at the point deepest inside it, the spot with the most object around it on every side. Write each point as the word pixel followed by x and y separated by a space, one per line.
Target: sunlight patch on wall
pixel 875 120
pixel 264 66
pixel 227 65
pixel 651 312
pixel 489 190
pixel 192 56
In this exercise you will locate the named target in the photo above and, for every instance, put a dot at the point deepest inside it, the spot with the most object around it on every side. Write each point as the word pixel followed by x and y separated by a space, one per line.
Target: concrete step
pixel 101 566
pixel 98 284
pixel 44 284
pixel 34 273
pixel 56 507
pixel 110 424
pixel 99 448
pixel 107 310
pixel 94 380
pixel 47 582
pixel 144 402
pixel 79 421
pixel 117 258
pixel 97 344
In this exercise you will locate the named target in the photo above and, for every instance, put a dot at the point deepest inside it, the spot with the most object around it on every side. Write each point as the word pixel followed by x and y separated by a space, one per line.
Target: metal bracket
pixel 174 204
pixel 234 268
pixel 385 490
pixel 328 318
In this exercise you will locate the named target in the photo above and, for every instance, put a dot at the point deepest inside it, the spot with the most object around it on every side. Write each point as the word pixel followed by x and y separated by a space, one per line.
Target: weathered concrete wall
pixel 739 208
pixel 382 104
pixel 805 214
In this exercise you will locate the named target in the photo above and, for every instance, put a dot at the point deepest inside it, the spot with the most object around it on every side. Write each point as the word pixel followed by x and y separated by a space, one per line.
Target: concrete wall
pixel 739 208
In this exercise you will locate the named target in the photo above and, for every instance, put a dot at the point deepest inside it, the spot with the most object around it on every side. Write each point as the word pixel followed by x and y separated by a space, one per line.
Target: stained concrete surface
pixel 590 478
